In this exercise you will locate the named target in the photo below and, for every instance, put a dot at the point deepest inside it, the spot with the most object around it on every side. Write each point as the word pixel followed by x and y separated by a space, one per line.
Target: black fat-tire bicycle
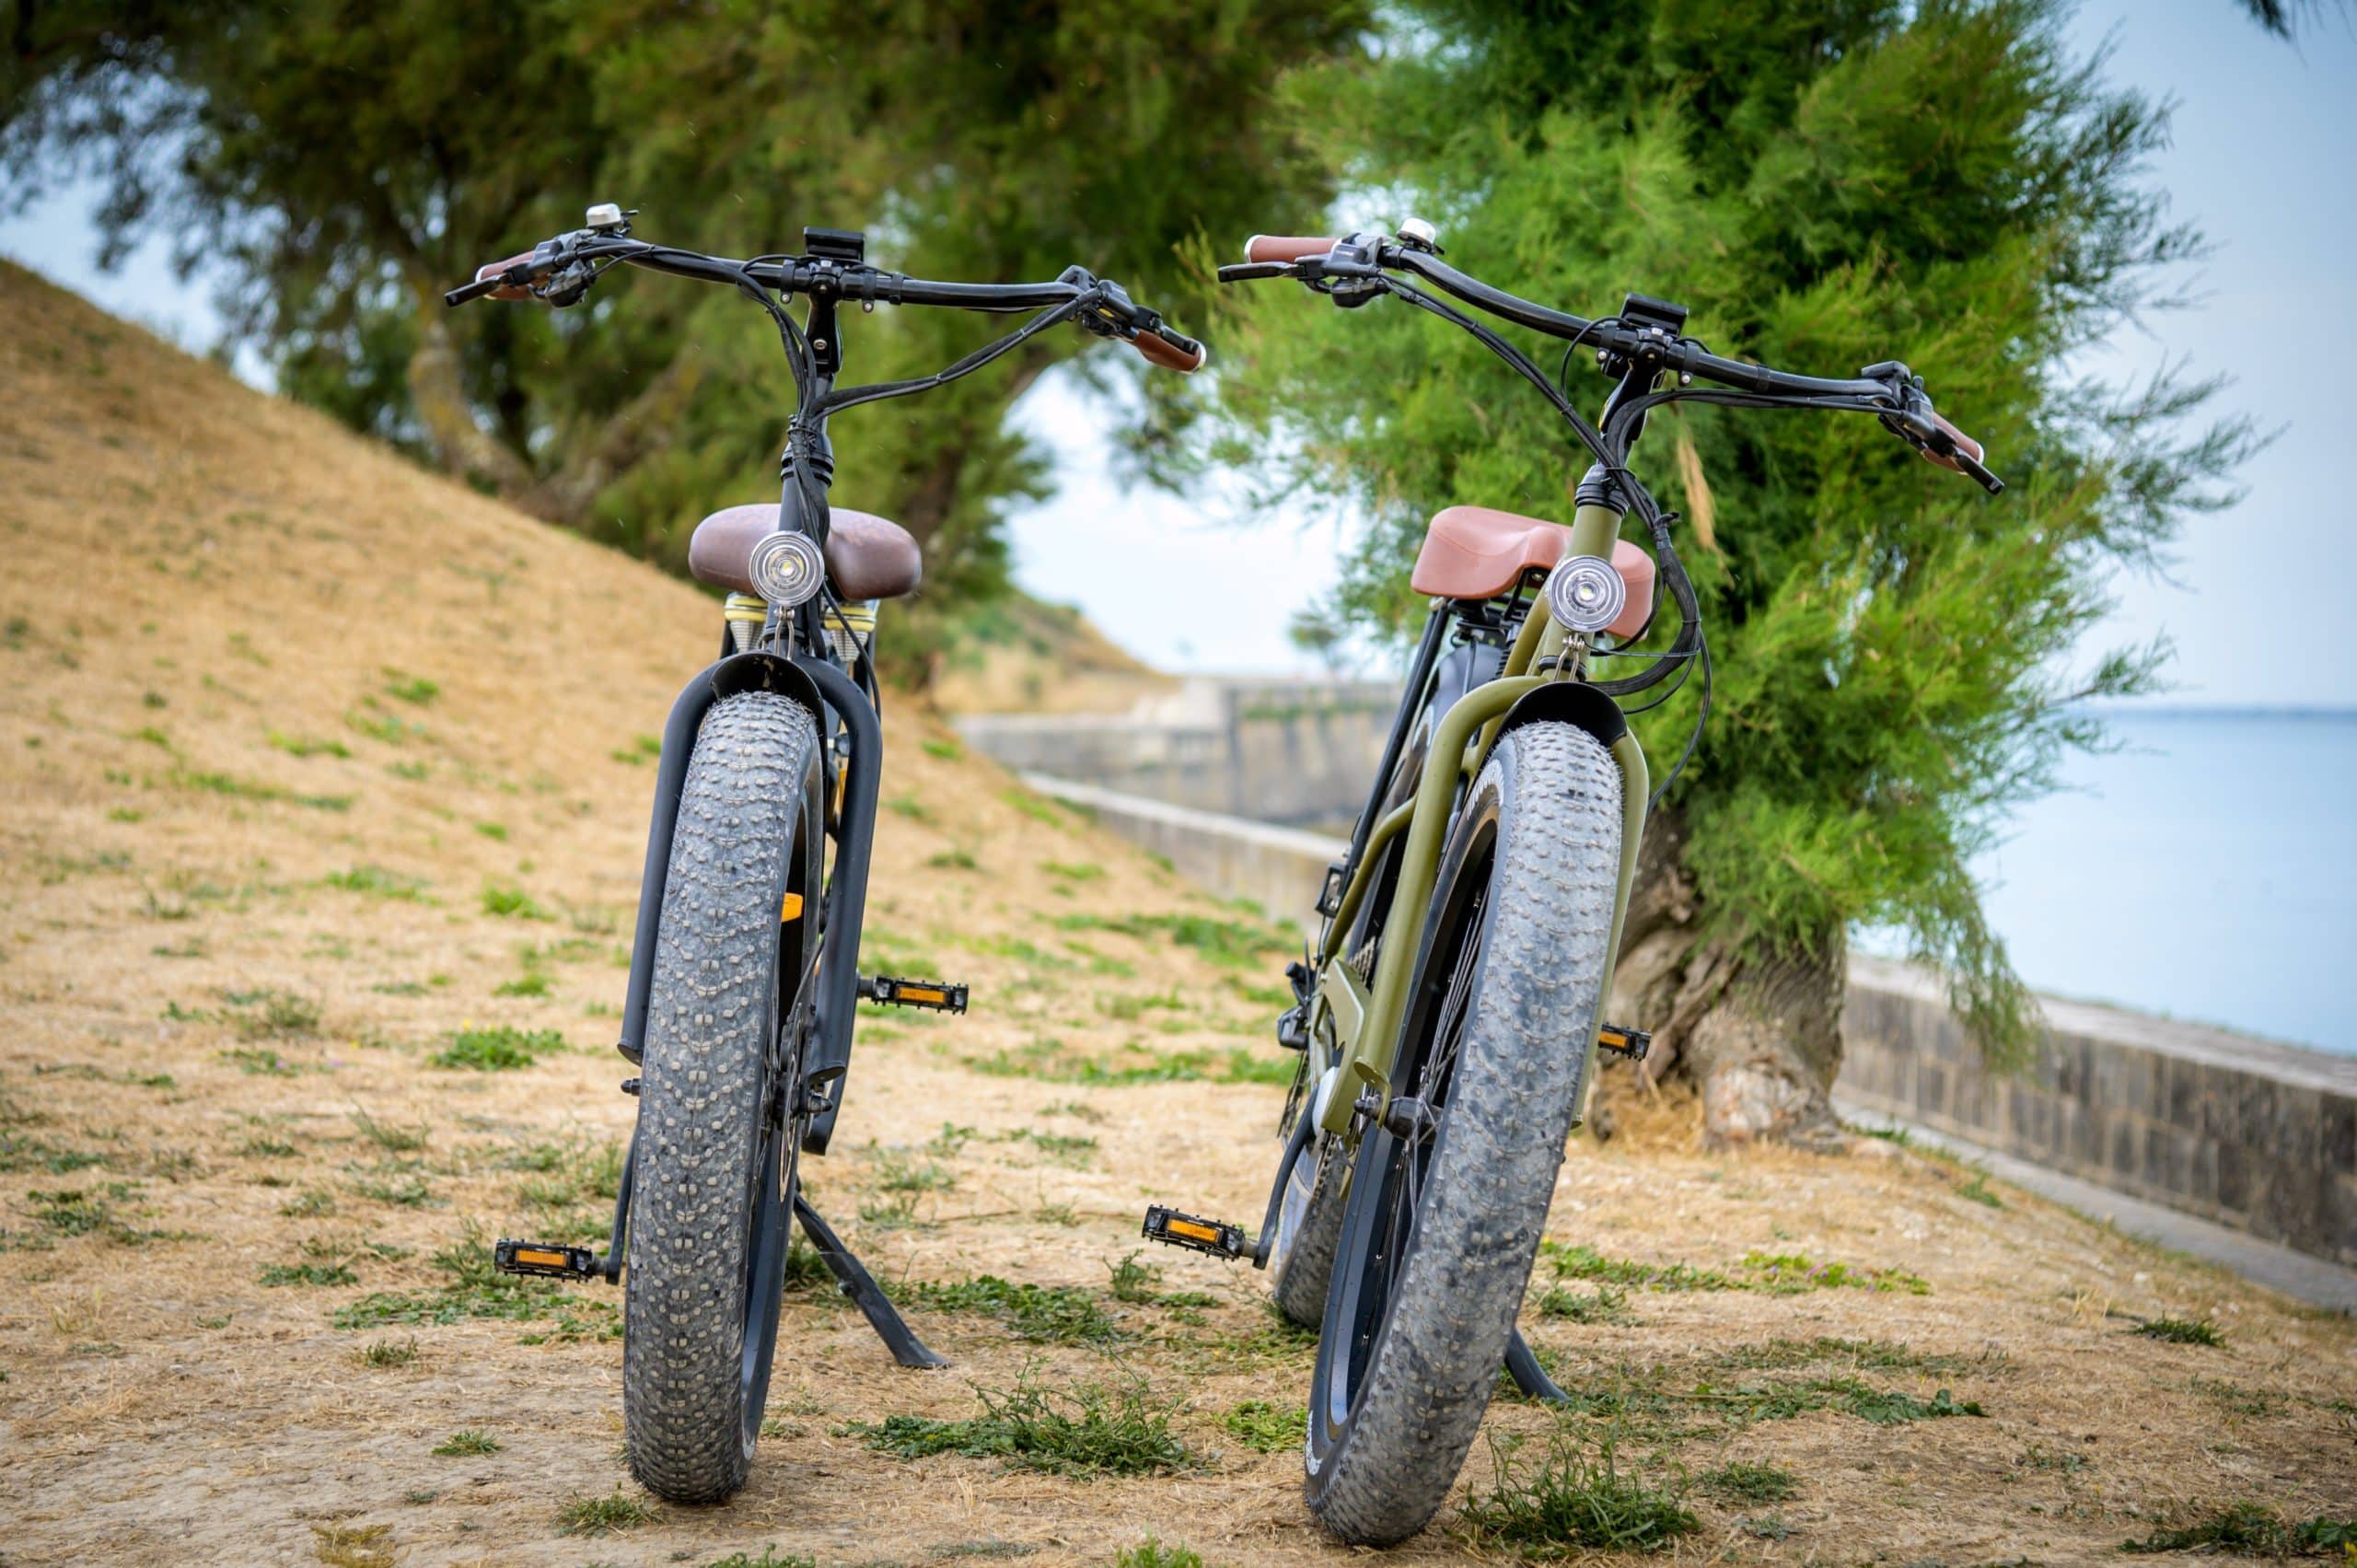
pixel 1450 1008
pixel 744 982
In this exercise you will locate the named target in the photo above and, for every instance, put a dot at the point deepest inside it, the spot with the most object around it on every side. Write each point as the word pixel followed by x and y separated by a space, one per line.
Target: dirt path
pixel 324 786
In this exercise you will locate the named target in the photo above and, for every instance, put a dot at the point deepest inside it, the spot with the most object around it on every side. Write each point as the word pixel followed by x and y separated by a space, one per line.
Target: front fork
pixel 1356 1026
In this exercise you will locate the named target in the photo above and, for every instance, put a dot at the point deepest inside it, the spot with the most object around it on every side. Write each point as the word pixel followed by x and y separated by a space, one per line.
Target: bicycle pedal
pixel 1175 1229
pixel 1622 1041
pixel 935 995
pixel 543 1261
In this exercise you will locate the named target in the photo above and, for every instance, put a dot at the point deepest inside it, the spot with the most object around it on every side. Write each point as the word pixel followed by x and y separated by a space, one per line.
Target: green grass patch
pixel 1050 1060
pixel 375 882
pixel 497 1049
pixel 473 1288
pixel 413 688
pixel 947 750
pixel 509 902
pixel 390 1136
pixel 383 1355
pixel 1566 1500
pixel 1268 1428
pixel 954 860
pixel 466 1444
pixel 584 1516
pixel 1038 807
pixel 307 1275
pixel 1234 944
pixel 1073 870
pixel 1064 1315
pixel 1783 1273
pixel 2251 1529
pixel 645 749
pixel 1088 1430
pixel 245 789
pixel 2182 1332
pixel 308 745
pixel 1741 1482
pixel 1151 1553
pixel 1605 1304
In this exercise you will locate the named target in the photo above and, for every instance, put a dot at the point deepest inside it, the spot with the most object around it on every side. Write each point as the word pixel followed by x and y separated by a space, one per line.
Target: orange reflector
pixel 1189 1227
pixel 543 1258
pixel 923 993
pixel 792 907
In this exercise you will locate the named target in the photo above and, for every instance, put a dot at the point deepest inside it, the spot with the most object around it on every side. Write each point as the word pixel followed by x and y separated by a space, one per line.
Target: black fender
pixel 1568 702
pixel 758 671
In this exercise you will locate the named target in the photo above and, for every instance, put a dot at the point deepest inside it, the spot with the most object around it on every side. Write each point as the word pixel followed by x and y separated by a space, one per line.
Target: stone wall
pixel 2244 1132
pixel 1287 751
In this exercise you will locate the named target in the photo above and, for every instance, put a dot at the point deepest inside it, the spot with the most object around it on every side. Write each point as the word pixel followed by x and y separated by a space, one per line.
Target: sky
pixel 2263 157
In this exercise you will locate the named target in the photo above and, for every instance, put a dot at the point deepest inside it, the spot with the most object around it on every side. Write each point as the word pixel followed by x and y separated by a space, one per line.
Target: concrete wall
pixel 1286 751
pixel 2247 1132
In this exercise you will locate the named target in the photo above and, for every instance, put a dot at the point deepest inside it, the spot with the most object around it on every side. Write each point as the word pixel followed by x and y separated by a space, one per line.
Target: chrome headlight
pixel 787 568
pixel 1585 594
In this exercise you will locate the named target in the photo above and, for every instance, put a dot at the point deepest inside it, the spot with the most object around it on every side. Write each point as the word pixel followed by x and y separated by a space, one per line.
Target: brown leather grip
pixel 1963 444
pixel 493 268
pixel 1285 247
pixel 1155 350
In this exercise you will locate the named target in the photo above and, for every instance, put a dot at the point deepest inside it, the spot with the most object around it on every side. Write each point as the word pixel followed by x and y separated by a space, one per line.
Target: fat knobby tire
pixel 713 1004
pixel 1555 794
pixel 1303 1274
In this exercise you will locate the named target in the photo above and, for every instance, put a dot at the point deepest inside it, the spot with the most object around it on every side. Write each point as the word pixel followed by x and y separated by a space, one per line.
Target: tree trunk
pixel 437 391
pixel 1760 1038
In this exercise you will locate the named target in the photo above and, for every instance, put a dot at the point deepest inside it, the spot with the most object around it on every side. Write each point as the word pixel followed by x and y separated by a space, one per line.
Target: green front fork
pixel 1362 1025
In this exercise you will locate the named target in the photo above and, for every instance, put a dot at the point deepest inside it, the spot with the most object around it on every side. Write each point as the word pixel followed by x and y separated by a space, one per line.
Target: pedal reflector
pixel 1623 1041
pixel 1175 1229
pixel 938 995
pixel 545 1261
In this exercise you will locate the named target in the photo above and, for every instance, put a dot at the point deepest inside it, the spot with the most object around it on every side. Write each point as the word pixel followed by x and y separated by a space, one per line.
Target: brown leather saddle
pixel 867 556
pixel 1480 552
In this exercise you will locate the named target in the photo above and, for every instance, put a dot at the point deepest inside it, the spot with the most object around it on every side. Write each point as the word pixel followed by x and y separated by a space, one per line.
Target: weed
pixel 1133 1281
pixel 2253 1529
pixel 645 749
pixel 1267 1428
pixel 1073 871
pixel 2236 1399
pixel 1567 1500
pixel 897 1173
pixel 268 1014
pixel 497 830
pixel 1033 806
pixel 310 1204
pixel 388 1135
pixel 909 806
pixel 19 1154
pixel 242 789
pixel 399 1186
pixel 512 903
pixel 415 688
pixel 1089 1429
pixel 1233 944
pixel 262 1063
pixel 307 1275
pixel 475 1288
pixel 768 1559
pixel 947 750
pixel 1062 1315
pixel 466 1444
pixel 602 1515
pixel 354 1546
pixel 533 983
pixel 1607 1305
pixel 954 860
pixel 375 882
pixel 1741 1482
pixel 1976 1191
pixel 382 1354
pixel 496 1050
pixel 1152 1553
pixel 2182 1332
pixel 1065 1148
pixel 308 745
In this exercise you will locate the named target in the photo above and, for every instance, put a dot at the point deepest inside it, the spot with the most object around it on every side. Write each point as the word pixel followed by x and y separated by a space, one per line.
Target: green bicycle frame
pixel 1362 1024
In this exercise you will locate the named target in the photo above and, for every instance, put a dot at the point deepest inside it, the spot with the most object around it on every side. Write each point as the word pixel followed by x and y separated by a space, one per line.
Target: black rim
pixel 1387 1183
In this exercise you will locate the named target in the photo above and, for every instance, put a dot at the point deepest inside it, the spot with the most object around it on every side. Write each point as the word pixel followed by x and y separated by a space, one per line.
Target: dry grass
pixel 225 1000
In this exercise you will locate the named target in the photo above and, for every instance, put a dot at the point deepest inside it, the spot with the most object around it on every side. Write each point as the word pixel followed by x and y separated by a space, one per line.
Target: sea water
pixel 2206 869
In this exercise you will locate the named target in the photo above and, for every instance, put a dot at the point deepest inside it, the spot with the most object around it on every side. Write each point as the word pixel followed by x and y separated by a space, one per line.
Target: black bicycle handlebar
pixel 1362 260
pixel 573 261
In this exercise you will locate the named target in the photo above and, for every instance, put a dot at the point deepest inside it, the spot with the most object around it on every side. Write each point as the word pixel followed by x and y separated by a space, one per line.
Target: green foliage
pixel 467 1443
pixel 1743 1481
pixel 1267 1428
pixel 473 1288
pixel 1088 1430
pixel 307 1275
pixel 2182 1332
pixel 2251 1529
pixel 1567 1500
pixel 587 1516
pixel 1151 1553
pixel 497 1049
pixel 1042 1314
pixel 1824 184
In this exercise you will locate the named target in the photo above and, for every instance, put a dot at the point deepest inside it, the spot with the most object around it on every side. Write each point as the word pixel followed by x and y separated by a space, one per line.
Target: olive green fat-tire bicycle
pixel 1449 1012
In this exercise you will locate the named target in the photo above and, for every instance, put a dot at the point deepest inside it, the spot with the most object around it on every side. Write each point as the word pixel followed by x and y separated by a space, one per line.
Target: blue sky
pixel 2264 156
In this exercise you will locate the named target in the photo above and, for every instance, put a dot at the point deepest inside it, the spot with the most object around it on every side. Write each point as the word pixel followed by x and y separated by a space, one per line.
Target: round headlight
pixel 1585 594
pixel 787 568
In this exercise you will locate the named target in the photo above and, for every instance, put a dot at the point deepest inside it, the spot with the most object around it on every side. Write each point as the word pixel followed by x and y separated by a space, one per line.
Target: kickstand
pixel 858 1284
pixel 1529 1376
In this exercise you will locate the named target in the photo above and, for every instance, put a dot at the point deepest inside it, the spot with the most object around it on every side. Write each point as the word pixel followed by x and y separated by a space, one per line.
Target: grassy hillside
pixel 324 785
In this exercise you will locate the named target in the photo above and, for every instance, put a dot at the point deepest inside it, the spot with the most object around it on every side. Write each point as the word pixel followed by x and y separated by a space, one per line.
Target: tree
pixel 1826 183
pixel 342 164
